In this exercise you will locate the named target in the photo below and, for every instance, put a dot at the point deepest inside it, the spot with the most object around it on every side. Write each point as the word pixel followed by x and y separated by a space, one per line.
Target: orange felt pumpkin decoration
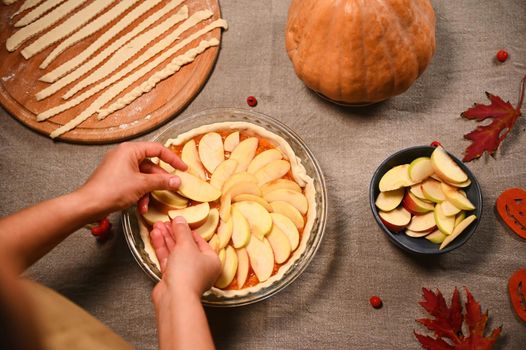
pixel 360 51
pixel 517 291
pixel 511 206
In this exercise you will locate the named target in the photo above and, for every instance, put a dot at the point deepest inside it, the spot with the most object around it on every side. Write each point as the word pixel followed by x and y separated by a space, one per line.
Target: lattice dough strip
pixel 44 22
pixel 89 29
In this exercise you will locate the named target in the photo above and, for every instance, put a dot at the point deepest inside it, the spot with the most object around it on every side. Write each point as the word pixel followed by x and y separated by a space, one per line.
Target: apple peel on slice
pixel 416 190
pixel 444 223
pixel 395 220
pixel 389 200
pixel 415 205
pixel 436 237
pixel 458 230
pixel 420 169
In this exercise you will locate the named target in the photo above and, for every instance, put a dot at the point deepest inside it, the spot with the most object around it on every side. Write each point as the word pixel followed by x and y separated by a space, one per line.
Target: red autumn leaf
pixel 447 323
pixel 489 137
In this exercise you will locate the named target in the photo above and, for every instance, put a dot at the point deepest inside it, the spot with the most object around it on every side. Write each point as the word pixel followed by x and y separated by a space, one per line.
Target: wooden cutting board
pixel 19 83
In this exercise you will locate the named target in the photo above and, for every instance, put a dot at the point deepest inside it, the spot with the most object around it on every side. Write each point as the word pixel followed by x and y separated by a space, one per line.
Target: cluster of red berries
pixel 101 229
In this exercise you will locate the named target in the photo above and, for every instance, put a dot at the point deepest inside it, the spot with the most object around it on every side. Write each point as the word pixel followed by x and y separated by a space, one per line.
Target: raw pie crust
pixel 299 175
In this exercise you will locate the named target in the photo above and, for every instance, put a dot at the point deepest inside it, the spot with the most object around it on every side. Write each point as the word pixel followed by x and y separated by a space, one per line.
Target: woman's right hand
pixel 189 265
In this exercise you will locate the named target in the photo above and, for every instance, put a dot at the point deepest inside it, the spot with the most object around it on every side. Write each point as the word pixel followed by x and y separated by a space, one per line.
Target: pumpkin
pixel 360 51
pixel 511 207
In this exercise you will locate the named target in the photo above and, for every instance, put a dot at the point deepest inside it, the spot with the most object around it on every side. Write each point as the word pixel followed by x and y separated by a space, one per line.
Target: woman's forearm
pixel 182 323
pixel 32 232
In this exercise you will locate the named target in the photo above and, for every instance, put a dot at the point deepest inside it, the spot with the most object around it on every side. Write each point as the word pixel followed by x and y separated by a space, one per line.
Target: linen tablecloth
pixel 327 307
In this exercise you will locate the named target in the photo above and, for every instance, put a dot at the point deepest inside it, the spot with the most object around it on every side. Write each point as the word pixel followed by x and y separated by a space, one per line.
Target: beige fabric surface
pixel 327 307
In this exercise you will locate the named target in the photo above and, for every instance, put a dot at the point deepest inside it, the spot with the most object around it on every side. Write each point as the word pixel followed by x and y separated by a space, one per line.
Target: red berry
pixel 376 302
pixel 252 101
pixel 435 144
pixel 502 55
pixel 102 229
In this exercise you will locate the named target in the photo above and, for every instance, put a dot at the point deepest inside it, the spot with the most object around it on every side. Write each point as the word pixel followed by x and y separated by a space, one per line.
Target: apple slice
pixel 252 198
pixel 449 209
pixel 263 159
pixel 280 245
pixel 417 191
pixel 166 167
pixel 289 211
pixel 261 258
pixel 236 178
pixel 436 237
pixel 153 215
pixel 243 265
pixel 209 227
pixel 225 207
pixel 243 188
pixel 389 200
pixel 395 220
pixel 272 171
pixel 414 205
pixel 457 198
pixel 169 199
pixel 240 229
pixel 460 216
pixel 196 189
pixel 229 268
pixel 288 228
pixel 280 184
pixel 211 151
pixel 190 156
pixel 224 233
pixel 244 153
pixel 221 256
pixel 196 215
pixel 396 178
pixel 458 230
pixel 415 234
pixel 420 169
pixel 296 199
pixel 444 223
pixel 446 168
pixel 258 218
pixel 460 184
pixel 433 191
pixel 223 172
pixel 214 243
pixel 422 223
pixel 231 141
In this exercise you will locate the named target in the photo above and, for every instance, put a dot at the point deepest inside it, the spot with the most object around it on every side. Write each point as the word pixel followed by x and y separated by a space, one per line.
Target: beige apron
pixel 63 325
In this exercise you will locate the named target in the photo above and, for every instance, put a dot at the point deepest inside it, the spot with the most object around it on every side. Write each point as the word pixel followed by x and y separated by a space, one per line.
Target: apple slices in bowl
pixel 422 192
pixel 247 194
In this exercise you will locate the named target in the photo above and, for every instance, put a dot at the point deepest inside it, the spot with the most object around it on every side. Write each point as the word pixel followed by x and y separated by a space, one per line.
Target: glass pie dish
pixel 131 225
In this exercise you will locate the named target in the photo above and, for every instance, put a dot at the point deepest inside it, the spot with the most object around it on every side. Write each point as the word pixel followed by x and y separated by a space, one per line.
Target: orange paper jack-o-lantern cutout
pixel 517 290
pixel 511 206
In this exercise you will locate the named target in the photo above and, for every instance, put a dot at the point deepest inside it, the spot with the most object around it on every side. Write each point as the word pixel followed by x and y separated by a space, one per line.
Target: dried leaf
pixel 447 323
pixel 487 138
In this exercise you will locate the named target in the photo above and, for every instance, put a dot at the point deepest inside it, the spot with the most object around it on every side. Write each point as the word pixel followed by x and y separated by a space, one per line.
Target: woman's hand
pixel 126 175
pixel 189 265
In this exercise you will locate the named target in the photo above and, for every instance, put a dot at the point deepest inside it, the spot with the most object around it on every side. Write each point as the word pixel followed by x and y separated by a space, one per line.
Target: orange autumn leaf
pixel 487 138
pixel 446 323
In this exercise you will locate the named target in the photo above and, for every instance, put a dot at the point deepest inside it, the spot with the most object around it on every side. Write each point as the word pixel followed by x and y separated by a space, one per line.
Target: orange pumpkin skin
pixel 360 51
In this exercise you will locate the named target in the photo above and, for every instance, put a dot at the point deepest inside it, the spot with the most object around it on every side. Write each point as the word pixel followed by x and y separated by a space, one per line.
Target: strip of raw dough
pixel 65 28
pixel 172 68
pixel 9 2
pixel 89 29
pixel 26 5
pixel 46 21
pixel 116 89
pixel 152 51
pixel 37 12
pixel 126 52
pixel 101 41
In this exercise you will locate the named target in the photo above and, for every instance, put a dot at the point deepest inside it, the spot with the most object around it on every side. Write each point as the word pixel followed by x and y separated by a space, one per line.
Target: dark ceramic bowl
pixel 422 245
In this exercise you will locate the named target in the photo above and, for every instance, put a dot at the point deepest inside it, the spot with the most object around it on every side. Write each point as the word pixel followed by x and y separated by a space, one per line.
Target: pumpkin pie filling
pixel 278 230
